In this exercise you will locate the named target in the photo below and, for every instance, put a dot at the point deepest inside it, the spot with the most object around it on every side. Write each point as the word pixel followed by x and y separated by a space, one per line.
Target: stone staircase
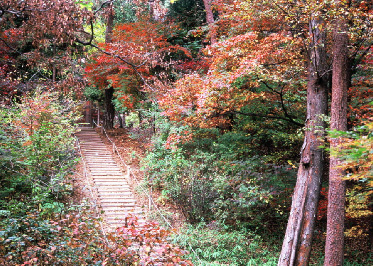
pixel 114 194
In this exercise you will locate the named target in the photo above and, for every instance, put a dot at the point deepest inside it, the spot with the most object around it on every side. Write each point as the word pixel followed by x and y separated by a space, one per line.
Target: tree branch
pixel 281 94
pixel 10 47
pixel 270 117
pixel 102 6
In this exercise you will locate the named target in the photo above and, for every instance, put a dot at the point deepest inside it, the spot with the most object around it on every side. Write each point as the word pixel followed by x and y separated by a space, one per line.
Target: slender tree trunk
pixel 88 112
pixel 152 14
pixel 109 92
pixel 54 68
pixel 296 247
pixel 210 20
pixel 337 188
pixel 109 24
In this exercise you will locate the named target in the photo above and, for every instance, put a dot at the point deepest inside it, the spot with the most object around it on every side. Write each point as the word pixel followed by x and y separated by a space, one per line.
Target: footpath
pixel 114 196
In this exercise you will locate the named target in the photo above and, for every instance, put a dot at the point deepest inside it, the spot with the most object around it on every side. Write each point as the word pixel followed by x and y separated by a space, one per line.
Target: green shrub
pixel 37 148
pixel 207 186
pixel 214 245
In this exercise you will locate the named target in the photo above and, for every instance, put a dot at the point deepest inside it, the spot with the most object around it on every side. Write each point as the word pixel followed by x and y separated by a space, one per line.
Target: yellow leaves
pixel 357 206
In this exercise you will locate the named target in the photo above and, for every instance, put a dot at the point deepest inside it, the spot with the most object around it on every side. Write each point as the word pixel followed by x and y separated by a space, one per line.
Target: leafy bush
pixel 214 245
pixel 37 147
pixel 209 182
pixel 76 239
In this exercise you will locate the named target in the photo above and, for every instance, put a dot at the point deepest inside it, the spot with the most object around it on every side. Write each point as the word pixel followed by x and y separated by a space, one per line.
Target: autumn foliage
pixel 132 60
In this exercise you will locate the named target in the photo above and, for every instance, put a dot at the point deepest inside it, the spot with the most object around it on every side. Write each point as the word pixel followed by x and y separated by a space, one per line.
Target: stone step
pixel 111 184
pixel 95 152
pixel 116 194
pixel 96 144
pixel 101 161
pixel 98 156
pixel 118 209
pixel 86 148
pixel 92 157
pixel 102 180
pixel 114 189
pixel 122 221
pixel 97 164
pixel 107 191
pixel 93 146
pixel 89 137
pixel 92 151
pixel 105 205
pixel 104 167
pixel 107 173
pixel 116 200
pixel 116 197
pixel 105 170
pixel 108 177
pixel 114 180
pixel 118 186
pixel 103 174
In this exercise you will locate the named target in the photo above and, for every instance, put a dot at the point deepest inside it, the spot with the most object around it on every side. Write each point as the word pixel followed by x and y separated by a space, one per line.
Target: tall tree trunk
pixel 109 108
pixel 54 68
pixel 109 92
pixel 109 24
pixel 337 187
pixel 152 14
pixel 296 247
pixel 88 112
pixel 210 20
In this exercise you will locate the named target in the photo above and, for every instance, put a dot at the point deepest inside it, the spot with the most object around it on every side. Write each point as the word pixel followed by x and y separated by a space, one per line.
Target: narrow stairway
pixel 113 191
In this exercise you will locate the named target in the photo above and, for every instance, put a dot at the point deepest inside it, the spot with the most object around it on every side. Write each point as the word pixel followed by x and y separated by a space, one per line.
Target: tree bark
pixel 210 20
pixel 337 187
pixel 109 109
pixel 88 112
pixel 296 247
pixel 109 24
pixel 109 92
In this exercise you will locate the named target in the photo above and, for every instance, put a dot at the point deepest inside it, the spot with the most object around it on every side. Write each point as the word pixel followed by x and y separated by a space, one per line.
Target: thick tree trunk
pixel 109 109
pixel 337 188
pixel 210 20
pixel 109 106
pixel 296 247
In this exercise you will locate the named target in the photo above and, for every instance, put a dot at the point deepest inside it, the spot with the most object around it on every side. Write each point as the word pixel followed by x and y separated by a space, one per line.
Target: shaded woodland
pixel 254 121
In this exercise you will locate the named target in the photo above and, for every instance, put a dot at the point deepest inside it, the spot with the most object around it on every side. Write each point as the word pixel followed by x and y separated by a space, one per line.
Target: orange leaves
pixel 238 65
pixel 174 139
pixel 143 46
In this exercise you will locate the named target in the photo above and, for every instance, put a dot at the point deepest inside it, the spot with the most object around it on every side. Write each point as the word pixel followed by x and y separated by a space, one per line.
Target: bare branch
pixel 102 6
pixel 10 47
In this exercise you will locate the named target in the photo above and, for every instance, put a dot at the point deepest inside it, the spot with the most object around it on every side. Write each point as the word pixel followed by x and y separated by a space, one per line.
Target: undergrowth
pixel 210 244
